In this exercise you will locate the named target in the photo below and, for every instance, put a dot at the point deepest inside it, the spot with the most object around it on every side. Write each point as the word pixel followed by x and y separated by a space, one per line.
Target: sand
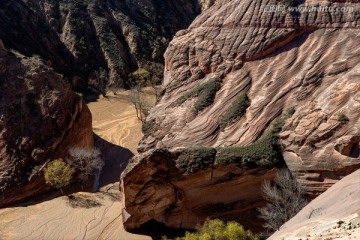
pixel 86 215
pixel 114 119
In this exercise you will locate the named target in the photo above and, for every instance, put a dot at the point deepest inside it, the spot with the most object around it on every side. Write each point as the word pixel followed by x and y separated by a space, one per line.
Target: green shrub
pixel 58 174
pixel 196 159
pixel 149 127
pixel 205 92
pixel 291 111
pixel 218 230
pixel 235 111
pixel 207 96
pixel 265 152
pixel 343 119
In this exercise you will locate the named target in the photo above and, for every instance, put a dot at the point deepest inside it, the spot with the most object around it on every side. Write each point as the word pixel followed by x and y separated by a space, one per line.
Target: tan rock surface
pixel 321 218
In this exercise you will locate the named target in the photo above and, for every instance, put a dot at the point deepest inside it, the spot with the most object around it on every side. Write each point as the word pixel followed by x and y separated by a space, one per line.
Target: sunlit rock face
pixel 302 66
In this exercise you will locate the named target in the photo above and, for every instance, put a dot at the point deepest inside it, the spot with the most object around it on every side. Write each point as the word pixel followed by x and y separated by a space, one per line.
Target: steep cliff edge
pixel 96 43
pixel 40 119
pixel 301 64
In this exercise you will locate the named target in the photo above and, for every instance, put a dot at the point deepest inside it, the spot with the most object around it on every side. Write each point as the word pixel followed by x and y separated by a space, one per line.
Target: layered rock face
pixel 40 119
pixel 156 189
pixel 302 65
pixel 96 43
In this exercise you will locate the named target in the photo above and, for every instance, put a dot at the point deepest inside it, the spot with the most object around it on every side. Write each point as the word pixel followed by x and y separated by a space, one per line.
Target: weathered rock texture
pixel 308 60
pixel 156 189
pixel 96 43
pixel 335 214
pixel 40 119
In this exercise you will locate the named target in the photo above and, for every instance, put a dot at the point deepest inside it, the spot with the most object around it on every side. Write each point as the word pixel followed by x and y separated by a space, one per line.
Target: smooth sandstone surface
pixel 335 214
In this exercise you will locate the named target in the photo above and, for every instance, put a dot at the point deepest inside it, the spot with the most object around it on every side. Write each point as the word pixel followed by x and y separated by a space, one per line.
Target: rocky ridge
pixel 96 43
pixel 40 119
pixel 302 65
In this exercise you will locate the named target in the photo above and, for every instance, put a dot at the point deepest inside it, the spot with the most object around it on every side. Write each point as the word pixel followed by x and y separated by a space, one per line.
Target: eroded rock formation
pixel 40 119
pixel 302 65
pixel 96 43
pixel 155 188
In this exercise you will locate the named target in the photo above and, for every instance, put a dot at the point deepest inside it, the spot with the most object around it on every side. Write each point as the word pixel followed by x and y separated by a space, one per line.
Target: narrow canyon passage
pixel 86 215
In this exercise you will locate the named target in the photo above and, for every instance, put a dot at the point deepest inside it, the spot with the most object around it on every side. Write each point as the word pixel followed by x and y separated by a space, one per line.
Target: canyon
pixel 244 93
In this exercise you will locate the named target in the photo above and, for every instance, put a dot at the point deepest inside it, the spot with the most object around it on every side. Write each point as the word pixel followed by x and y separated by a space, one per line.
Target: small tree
pixel 58 174
pixel 88 161
pixel 141 104
pixel 285 199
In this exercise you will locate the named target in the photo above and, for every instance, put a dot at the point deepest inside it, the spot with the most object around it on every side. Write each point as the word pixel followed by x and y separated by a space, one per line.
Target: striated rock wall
pixel 40 119
pixel 309 62
pixel 303 65
pixel 95 43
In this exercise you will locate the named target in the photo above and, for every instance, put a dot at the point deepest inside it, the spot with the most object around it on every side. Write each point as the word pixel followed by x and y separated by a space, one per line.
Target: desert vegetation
pixel 87 161
pixel 196 159
pixel 141 101
pixel 219 230
pixel 205 94
pixel 149 127
pixel 58 174
pixel 265 152
pixel 83 164
pixel 343 119
pixel 285 199
pixel 235 111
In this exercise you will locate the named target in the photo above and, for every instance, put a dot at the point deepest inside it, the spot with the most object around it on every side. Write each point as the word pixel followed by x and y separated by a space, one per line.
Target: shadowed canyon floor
pixel 85 215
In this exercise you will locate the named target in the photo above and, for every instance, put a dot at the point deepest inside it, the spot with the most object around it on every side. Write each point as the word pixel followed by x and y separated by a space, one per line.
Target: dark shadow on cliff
pixel 156 230
pixel 116 159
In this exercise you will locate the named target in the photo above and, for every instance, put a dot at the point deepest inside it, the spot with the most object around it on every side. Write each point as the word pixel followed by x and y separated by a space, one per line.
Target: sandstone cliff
pixel 96 43
pixel 156 189
pixel 304 65
pixel 40 119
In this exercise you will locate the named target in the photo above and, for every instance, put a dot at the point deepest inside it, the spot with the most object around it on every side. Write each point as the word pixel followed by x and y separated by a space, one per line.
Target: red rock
pixel 40 119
